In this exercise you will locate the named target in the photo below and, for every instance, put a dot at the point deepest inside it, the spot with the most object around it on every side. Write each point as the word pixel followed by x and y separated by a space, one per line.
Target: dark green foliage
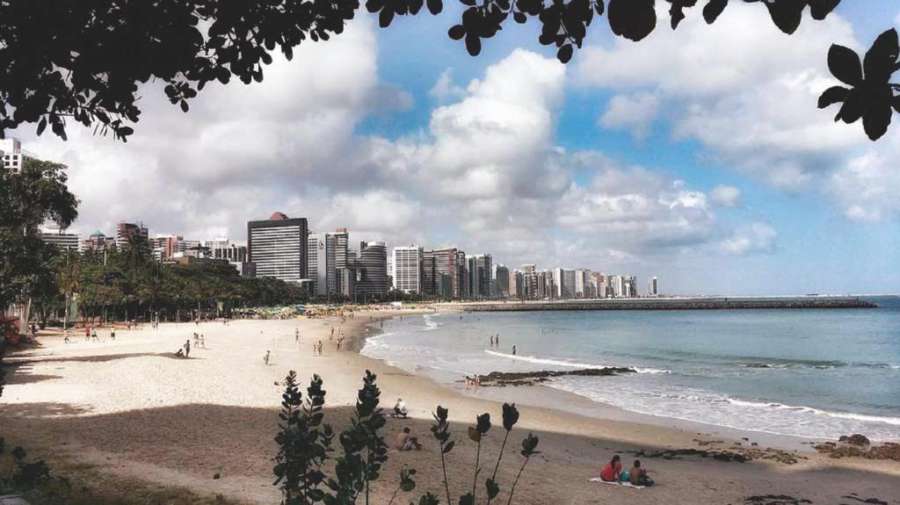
pixel 870 94
pixel 303 441
pixel 364 449
pixel 27 199
pixel 25 476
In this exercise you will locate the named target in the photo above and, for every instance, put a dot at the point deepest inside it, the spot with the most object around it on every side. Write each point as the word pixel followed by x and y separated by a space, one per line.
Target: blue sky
pixel 719 177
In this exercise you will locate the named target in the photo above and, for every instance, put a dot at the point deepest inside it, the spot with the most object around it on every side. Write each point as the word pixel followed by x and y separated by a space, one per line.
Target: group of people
pixel 317 348
pixel 199 340
pixel 636 475
pixel 495 340
pixel 185 350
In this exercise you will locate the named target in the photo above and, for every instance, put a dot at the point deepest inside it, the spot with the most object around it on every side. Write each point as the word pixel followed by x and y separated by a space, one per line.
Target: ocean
pixel 805 373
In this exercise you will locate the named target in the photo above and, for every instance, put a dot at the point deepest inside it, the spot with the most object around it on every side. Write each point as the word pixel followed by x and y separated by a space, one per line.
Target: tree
pixel 84 59
pixel 27 199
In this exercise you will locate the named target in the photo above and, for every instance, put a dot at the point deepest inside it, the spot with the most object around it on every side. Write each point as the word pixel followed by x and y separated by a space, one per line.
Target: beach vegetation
pixel 86 61
pixel 305 448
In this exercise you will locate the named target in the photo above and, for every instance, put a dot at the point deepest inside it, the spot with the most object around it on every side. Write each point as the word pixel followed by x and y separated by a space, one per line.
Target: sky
pixel 697 156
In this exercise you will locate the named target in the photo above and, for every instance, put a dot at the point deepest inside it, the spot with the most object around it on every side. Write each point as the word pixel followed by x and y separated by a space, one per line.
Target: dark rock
pixel 855 439
pixel 531 378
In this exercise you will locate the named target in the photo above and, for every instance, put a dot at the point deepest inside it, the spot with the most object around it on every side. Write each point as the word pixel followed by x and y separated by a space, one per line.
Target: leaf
pixel 853 107
pixel 483 423
pixel 565 53
pixel 881 58
pixel 184 106
pixel 467 499
pixel 510 416
pixel 42 124
pixel 632 19
pixel 385 16
pixel 821 8
pixel 519 17
pixel 786 14
pixel 435 6
pixel 473 44
pixel 895 102
pixel 713 9
pixel 877 115
pixel 474 434
pixel 456 32
pixel 449 447
pixel 492 488
pixel 844 64
pixel 832 96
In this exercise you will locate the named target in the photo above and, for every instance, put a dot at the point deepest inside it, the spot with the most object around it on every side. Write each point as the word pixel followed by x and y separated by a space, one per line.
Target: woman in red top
pixel 610 472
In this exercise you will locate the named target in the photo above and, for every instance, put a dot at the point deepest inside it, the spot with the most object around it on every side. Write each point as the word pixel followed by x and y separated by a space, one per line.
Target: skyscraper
pixel 339 262
pixel 479 275
pixel 316 263
pixel 277 247
pixel 446 275
pixel 371 271
pixel 653 288
pixel 501 282
pixel 407 270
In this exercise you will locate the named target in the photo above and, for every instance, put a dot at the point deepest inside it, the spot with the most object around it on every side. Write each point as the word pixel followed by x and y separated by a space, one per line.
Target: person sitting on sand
pixel 400 409
pixel 612 470
pixel 266 358
pixel 407 442
pixel 638 475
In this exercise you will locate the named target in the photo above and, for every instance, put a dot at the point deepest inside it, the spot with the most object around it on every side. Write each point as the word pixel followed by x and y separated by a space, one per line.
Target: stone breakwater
pixel 710 303
pixel 532 378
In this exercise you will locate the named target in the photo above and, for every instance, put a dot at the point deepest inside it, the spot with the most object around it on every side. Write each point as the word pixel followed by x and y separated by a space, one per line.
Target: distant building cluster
pixel 331 266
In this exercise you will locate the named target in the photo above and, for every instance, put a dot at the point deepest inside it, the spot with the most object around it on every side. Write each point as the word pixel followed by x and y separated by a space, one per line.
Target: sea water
pixel 807 373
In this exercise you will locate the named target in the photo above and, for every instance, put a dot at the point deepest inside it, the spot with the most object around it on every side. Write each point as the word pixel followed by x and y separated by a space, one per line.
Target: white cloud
pixel 755 238
pixel 445 89
pixel 747 93
pixel 633 112
pixel 726 196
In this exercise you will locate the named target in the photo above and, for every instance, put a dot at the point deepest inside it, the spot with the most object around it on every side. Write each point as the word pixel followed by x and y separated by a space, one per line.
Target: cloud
pixel 726 196
pixel 445 89
pixel 747 94
pixel 634 112
pixel 755 238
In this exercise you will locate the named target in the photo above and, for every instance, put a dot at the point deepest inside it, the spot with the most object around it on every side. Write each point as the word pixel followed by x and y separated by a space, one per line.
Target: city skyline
pixel 623 170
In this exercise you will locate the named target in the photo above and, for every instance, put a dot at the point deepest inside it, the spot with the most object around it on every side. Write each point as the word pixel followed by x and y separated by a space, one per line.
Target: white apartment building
pixel 406 269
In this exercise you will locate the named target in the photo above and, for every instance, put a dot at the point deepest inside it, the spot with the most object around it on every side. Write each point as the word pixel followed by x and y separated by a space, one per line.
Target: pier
pixel 698 303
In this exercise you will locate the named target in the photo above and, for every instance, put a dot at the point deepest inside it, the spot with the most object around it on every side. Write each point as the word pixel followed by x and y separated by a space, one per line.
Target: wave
pixel 429 323
pixel 572 364
pixel 894 421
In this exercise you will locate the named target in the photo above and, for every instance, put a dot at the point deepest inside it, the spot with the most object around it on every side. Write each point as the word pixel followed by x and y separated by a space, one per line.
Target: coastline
pixel 133 411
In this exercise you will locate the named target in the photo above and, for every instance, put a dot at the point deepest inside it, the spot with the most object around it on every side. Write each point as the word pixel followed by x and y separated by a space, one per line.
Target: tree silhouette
pixel 84 59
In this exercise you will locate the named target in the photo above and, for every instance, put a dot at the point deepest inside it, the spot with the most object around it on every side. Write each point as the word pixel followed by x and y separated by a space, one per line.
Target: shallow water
pixel 808 373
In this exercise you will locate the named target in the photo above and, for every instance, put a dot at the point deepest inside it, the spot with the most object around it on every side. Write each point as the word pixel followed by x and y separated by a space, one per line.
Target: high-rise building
pixel 224 249
pixel 277 247
pixel 407 269
pixel 501 284
pixel 11 155
pixel 316 264
pixel 63 241
pixel 164 247
pixel 371 271
pixel 516 285
pixel 446 278
pixel 338 258
pixel 464 289
pixel 653 287
pixel 479 276
pixel 428 274
pixel 126 232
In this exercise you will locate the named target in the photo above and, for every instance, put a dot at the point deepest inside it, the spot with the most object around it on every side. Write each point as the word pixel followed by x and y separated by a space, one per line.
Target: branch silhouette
pixel 83 60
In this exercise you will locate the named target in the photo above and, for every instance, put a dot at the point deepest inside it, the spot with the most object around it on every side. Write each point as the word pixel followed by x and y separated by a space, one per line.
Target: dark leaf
pixel 42 124
pixel 713 9
pixel 853 108
pixel 483 423
pixel 844 64
pixel 473 44
pixel 492 488
pixel 385 16
pixel 832 96
pixel 786 14
pixel 881 58
pixel 467 499
pixel 632 19
pixel 474 434
pixel 877 115
pixel 565 53
pixel 510 416
pixel 821 8
pixel 449 447
pixel 435 6
pixel 519 17
pixel 456 32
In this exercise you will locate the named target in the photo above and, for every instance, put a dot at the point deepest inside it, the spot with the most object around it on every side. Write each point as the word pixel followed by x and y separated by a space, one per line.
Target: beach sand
pixel 132 409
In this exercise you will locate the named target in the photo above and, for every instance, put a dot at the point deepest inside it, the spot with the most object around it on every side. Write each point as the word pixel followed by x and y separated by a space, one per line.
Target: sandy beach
pixel 132 409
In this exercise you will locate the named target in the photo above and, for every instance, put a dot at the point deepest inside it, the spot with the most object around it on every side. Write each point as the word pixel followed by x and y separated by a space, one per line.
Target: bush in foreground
pixel 305 447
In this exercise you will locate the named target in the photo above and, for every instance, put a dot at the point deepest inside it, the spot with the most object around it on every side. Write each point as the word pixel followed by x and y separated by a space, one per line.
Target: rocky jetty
pixel 531 378
pixel 858 446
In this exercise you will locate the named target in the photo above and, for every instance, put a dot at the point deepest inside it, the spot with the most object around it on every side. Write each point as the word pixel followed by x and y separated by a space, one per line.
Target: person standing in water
pixel 514 350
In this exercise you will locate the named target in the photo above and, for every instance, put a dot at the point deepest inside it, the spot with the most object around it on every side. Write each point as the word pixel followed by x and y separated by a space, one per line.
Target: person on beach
pixel 407 442
pixel 203 341
pixel 66 340
pixel 400 409
pixel 514 350
pixel 94 336
pixel 492 341
pixel 320 348
pixel 638 475
pixel 112 334
pixel 497 339
pixel 187 348
pixel 266 358
pixel 612 470
pixel 296 335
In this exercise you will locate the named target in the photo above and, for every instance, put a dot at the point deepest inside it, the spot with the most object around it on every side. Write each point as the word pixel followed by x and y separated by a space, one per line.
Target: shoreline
pixel 542 396
pixel 130 410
